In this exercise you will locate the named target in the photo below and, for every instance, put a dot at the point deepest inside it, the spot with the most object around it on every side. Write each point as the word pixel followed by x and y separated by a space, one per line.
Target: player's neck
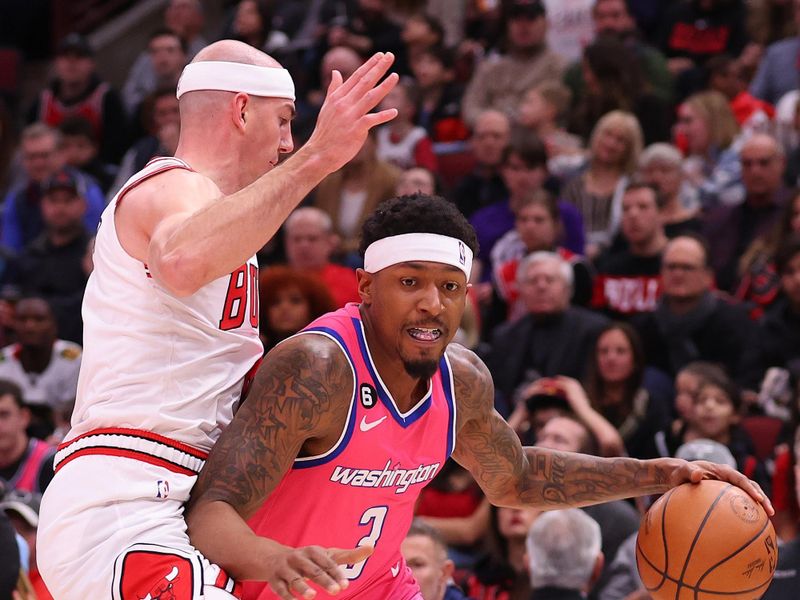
pixel 221 167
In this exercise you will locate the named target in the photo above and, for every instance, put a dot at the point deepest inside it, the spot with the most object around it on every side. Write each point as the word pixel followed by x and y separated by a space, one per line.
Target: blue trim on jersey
pixel 383 393
pixel 447 383
pixel 305 463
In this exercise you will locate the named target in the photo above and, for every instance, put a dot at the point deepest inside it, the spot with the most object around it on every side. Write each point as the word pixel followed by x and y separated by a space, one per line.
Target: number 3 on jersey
pixel 374 516
pixel 243 285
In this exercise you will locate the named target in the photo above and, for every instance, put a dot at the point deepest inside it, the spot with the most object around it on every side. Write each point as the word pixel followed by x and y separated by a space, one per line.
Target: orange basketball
pixel 706 541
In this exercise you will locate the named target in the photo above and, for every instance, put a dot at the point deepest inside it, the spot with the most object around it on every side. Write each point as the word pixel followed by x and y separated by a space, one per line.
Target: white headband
pixel 271 82
pixel 409 247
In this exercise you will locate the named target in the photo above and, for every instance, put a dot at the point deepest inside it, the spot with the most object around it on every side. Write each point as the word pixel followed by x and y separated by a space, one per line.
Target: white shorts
pixel 111 526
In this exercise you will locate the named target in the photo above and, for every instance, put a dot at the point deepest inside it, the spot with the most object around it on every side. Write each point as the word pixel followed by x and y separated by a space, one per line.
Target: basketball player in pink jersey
pixel 349 419
pixel 171 321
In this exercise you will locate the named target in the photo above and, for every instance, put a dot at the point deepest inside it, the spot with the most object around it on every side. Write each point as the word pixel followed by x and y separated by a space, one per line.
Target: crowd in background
pixel 631 168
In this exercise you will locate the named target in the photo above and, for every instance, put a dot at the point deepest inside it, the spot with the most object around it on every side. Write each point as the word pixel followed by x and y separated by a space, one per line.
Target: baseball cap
pixel 531 9
pixel 25 504
pixel 75 43
pixel 549 395
pixel 62 180
pixel 708 450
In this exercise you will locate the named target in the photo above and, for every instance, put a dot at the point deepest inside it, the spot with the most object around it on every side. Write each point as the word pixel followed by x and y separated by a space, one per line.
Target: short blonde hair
pixel 716 113
pixel 629 124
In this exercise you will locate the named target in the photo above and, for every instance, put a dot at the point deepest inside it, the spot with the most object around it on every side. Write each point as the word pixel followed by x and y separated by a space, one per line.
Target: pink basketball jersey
pixel 363 490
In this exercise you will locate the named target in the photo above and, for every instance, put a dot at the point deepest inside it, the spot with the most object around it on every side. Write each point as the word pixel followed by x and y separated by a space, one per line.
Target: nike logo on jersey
pixel 366 426
pixel 395 570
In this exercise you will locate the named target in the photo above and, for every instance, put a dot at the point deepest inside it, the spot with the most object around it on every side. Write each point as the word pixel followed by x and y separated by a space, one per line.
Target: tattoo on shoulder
pixel 297 395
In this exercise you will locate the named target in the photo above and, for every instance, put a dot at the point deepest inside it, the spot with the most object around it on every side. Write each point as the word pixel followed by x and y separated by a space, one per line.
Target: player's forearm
pixel 224 538
pixel 554 479
pixel 220 237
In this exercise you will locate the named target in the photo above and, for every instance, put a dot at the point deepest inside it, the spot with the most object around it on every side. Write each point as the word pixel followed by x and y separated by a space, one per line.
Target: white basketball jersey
pixel 155 362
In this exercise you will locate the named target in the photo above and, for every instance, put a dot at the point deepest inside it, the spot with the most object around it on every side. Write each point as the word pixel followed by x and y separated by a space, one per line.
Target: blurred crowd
pixel 631 168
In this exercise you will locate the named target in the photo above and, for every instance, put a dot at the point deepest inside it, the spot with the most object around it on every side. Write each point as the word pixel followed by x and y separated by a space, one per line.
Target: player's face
pixel 714 413
pixel 614 356
pixel 270 136
pixel 427 563
pixel 415 309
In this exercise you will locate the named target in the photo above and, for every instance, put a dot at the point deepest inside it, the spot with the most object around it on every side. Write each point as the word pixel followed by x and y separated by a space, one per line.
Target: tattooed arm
pixel 511 475
pixel 298 403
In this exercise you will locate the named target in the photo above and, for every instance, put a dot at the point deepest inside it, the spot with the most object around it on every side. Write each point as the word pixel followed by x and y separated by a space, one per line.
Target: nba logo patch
pixel 462 255
pixel 162 487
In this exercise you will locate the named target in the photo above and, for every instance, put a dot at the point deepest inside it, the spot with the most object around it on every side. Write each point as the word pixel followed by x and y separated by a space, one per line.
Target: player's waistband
pixel 136 444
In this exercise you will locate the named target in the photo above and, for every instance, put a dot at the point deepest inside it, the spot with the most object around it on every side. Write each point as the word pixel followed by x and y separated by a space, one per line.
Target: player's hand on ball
pixel 697 470
pixel 289 572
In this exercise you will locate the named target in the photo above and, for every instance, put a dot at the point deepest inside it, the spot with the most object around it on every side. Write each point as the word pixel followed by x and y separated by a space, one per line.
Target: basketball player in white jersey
pixel 171 322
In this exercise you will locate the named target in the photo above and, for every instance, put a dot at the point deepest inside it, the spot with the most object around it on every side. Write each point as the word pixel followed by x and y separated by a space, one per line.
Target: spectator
pixel 691 322
pixel 725 77
pixel 79 147
pixel 26 464
pixel 613 82
pixel 420 33
pixel 167 53
pixel 628 278
pixel 731 229
pixel 779 329
pixel 10 566
pixel 542 113
pixel 399 141
pixel 365 26
pixel 500 83
pixel 77 90
pixel 759 282
pixel 661 165
pixel 43 366
pixel 777 72
pixel 537 227
pixel 310 243
pixel 769 21
pixel 687 385
pixel 708 130
pixel 614 17
pixel 631 396
pixel 617 519
pixel 417 179
pixel 290 300
pixel 502 572
pixel 484 185
pixel 22 510
pixel 185 18
pixel 426 555
pixel 554 338
pixel 353 192
pixel 162 122
pixel 696 30
pixel 598 187
pixel 252 22
pixel 438 107
pixel 564 555
pixel 41 160
pixel 51 266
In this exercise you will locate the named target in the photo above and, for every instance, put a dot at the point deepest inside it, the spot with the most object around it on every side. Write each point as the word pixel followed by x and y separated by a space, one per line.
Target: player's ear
pixel 365 285
pixel 239 110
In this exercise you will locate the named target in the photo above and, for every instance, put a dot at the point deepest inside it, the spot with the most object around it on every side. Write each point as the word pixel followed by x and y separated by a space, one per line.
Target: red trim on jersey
pixel 141 456
pixel 149 435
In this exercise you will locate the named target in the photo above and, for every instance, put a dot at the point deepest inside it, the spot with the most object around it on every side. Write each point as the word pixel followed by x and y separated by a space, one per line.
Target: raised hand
pixel 289 571
pixel 345 118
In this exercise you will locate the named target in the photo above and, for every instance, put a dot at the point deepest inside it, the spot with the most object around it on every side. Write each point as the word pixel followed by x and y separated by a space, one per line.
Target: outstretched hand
pixel 698 470
pixel 346 118
pixel 289 571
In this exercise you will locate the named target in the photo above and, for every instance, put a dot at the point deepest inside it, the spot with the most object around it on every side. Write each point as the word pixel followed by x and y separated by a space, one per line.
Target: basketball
pixel 706 541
